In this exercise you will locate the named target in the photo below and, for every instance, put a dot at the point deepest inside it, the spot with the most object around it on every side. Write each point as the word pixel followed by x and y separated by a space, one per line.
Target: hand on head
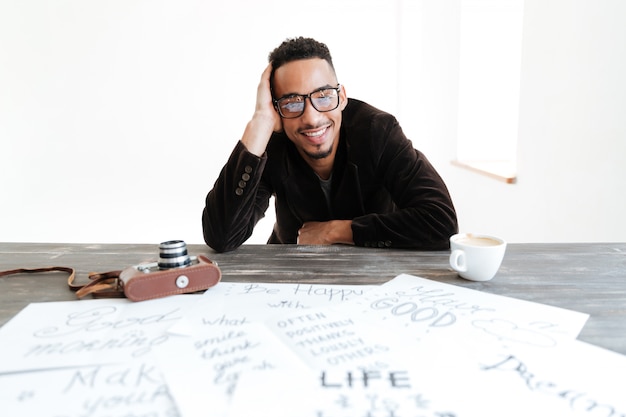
pixel 265 119
pixel 264 101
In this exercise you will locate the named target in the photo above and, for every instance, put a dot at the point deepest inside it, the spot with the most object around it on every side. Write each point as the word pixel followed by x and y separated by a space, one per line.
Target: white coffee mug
pixel 476 257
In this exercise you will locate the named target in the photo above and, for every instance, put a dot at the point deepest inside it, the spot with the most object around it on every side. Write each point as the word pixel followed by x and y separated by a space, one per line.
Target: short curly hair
pixel 299 48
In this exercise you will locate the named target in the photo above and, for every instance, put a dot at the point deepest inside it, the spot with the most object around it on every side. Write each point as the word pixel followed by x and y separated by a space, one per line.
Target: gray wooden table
pixel 586 277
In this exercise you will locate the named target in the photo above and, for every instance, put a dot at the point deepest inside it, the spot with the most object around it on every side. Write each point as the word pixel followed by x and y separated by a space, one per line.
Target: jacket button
pixel 239 191
pixel 245 176
pixel 381 244
pixel 242 184
pixel 388 243
pixel 248 169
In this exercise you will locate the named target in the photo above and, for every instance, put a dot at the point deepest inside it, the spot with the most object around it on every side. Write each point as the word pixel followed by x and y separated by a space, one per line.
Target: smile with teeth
pixel 315 134
pixel 318 133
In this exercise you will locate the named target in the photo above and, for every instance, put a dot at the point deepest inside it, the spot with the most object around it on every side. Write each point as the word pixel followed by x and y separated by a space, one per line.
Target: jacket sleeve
pixel 237 201
pixel 424 216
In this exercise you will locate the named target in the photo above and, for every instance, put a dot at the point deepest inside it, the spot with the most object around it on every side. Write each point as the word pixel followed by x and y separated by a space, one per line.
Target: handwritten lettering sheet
pixel 203 370
pixel 348 392
pixel 576 379
pixel 226 338
pixel 289 296
pixel 450 379
pixel 325 337
pixel 405 392
pixel 88 358
pixel 357 333
pixel 409 348
pixel 134 388
pixel 89 332
pixel 423 307
pixel 247 302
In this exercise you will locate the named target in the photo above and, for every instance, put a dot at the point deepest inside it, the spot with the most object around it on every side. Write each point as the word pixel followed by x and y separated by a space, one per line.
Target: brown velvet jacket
pixel 389 190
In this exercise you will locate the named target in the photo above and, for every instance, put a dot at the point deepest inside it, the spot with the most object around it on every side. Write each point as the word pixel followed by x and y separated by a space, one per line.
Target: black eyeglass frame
pixel 304 97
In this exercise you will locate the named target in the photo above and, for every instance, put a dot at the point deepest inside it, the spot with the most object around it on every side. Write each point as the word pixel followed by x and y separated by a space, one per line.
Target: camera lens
pixel 173 254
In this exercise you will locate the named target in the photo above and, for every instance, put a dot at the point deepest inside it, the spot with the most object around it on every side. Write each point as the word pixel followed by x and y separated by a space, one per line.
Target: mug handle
pixel 457 260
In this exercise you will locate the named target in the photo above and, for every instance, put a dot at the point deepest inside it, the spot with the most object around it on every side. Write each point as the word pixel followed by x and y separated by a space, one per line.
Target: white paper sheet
pixel 422 307
pixel 203 370
pixel 222 337
pixel 87 332
pixel 445 378
pixel 135 388
pixel 254 302
pixel 328 337
pixel 307 350
pixel 357 333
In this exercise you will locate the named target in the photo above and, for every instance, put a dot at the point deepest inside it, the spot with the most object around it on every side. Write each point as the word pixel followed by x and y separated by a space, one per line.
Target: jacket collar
pixel 305 196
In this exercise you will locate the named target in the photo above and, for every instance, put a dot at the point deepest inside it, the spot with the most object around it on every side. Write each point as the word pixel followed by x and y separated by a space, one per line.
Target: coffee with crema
pixel 478 241
pixel 476 257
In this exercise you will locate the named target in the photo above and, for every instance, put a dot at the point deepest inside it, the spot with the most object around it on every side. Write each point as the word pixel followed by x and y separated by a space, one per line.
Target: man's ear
pixel 343 97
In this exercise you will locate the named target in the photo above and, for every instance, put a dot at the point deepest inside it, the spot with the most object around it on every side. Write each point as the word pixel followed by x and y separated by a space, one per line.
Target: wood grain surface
pixel 585 277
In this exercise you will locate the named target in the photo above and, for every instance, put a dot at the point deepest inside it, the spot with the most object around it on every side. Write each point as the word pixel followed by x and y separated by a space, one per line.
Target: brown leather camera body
pixel 142 282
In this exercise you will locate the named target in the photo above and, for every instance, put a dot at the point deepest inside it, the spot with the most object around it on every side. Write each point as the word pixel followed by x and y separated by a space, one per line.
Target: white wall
pixel 572 132
pixel 116 116
pixel 572 146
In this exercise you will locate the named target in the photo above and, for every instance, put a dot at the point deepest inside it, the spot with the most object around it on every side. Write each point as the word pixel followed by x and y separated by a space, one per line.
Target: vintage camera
pixel 175 273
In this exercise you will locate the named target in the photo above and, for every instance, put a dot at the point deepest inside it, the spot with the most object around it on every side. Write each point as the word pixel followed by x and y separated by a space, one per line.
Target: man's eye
pixel 330 92
pixel 292 106
pixel 325 100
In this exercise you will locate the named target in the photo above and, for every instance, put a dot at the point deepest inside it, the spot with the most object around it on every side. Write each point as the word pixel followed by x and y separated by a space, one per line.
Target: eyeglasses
pixel 323 99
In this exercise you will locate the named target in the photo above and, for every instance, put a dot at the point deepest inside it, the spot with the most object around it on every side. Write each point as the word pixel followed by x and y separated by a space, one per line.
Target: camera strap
pixel 101 285
pixel 135 283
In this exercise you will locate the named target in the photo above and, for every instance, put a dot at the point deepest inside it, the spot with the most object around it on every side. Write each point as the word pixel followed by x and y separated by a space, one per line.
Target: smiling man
pixel 341 171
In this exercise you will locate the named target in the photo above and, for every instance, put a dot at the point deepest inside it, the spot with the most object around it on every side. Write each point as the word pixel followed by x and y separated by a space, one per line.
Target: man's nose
pixel 310 112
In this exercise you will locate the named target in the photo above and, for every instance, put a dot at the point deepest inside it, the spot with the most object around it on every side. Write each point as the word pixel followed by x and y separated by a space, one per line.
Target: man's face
pixel 315 134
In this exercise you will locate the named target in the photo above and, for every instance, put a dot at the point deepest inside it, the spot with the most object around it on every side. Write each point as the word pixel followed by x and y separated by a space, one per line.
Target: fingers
pixel 311 233
pixel 326 233
pixel 265 103
pixel 264 93
pixel 267 73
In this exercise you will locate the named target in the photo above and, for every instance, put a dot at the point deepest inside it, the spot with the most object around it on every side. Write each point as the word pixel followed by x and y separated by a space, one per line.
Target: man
pixel 341 171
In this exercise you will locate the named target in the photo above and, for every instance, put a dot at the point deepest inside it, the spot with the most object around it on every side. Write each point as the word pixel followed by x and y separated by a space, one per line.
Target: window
pixel 489 85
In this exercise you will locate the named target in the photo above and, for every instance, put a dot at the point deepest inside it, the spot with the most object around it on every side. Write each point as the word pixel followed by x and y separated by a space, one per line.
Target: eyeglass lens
pixel 322 100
